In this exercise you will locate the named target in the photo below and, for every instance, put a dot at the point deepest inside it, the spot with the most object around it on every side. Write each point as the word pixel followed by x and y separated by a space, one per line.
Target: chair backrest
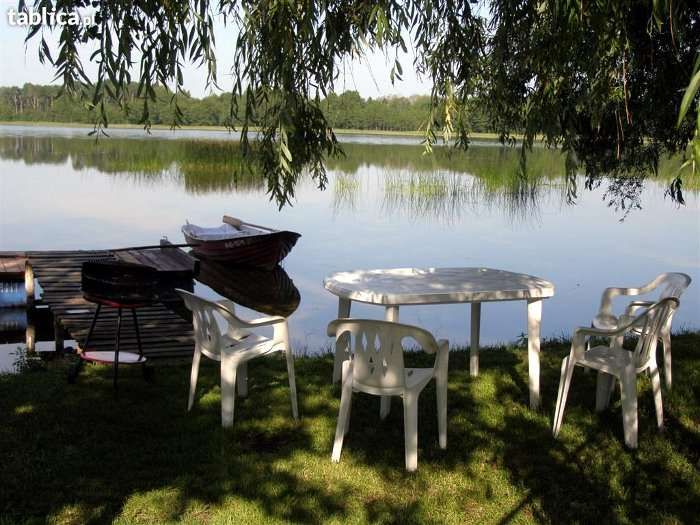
pixel 207 333
pixel 377 350
pixel 671 284
pixel 650 322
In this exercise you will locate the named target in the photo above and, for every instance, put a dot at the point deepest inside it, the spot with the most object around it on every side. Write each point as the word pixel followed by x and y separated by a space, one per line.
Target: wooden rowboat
pixel 239 242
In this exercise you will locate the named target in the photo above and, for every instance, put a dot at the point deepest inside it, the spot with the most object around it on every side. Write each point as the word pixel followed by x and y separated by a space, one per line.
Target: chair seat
pixel 416 379
pixel 107 356
pixel 606 359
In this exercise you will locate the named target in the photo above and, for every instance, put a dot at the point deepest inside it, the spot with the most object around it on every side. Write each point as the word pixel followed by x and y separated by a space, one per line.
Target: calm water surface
pixel 385 205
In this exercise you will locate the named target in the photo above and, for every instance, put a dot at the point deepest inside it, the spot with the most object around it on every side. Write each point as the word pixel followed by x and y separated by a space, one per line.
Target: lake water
pixel 386 205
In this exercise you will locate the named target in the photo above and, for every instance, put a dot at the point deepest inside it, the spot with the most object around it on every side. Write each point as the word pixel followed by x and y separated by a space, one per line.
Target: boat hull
pixel 262 251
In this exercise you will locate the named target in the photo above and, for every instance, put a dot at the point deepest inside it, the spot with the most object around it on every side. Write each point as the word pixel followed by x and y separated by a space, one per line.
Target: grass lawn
pixel 74 454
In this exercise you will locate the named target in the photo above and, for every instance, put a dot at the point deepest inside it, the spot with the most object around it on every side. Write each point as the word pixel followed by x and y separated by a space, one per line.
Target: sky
pixel 19 64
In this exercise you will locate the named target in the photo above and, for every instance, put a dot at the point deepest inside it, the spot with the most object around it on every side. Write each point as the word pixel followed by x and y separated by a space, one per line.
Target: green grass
pixel 74 454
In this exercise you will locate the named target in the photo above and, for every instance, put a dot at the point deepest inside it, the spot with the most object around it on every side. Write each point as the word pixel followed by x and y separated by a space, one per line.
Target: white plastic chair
pixel 234 348
pixel 668 285
pixel 376 367
pixel 614 362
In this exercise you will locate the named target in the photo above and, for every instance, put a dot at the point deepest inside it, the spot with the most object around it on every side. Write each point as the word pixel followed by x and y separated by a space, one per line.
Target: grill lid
pixel 119 283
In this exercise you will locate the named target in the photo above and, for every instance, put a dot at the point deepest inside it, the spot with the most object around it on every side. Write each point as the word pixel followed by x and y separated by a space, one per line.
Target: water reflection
pixel 271 292
pixel 440 186
pixel 445 196
pixel 201 166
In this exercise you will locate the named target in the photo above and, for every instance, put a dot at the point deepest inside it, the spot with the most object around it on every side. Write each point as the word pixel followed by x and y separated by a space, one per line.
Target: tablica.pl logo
pixel 29 17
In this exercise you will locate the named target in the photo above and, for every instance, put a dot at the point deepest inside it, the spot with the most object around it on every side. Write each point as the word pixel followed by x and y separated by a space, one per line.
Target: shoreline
pixel 164 127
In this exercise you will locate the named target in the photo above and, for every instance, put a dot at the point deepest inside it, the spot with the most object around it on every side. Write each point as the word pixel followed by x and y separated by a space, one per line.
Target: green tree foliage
pixel 345 111
pixel 602 79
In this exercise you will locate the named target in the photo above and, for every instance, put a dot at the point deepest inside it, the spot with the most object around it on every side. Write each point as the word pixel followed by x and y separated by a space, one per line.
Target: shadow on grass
pixel 77 447
pixel 74 454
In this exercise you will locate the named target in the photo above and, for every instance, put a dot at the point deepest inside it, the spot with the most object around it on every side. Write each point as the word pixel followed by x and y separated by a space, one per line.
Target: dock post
pixel 58 335
pixel 30 336
pixel 29 283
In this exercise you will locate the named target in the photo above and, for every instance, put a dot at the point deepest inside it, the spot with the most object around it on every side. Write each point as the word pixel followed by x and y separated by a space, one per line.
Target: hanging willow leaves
pixel 603 80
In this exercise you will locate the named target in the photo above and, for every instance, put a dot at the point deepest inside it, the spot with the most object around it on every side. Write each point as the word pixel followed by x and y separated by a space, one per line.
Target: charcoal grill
pixel 119 285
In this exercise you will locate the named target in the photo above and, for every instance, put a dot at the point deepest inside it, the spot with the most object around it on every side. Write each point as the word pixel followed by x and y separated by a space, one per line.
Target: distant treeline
pixel 349 110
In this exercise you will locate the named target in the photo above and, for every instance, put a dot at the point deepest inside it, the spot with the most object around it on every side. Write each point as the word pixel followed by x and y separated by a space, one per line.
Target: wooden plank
pixel 127 257
pixel 168 260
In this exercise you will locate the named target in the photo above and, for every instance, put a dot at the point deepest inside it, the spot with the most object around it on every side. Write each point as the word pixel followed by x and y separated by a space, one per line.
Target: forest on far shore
pixel 348 110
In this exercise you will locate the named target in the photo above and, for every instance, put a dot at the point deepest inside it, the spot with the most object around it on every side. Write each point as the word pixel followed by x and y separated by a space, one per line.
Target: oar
pixel 184 245
pixel 237 223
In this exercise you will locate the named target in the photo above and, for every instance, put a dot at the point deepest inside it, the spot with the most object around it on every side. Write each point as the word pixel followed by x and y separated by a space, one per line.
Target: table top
pixel 399 286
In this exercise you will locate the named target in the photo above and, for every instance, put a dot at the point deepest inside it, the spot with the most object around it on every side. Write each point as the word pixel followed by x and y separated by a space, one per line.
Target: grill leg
pixel 92 327
pixel 116 349
pixel 145 370
pixel 138 332
pixel 75 371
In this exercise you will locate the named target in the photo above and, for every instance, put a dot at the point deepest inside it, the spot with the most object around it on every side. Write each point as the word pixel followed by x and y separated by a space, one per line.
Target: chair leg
pixel 666 341
pixel 228 389
pixel 604 386
pixel 567 370
pixel 628 390
pixel 342 350
pixel 656 388
pixel 340 356
pixel 292 382
pixel 194 374
pixel 441 394
pixel 116 349
pixel 348 417
pixel 242 380
pixel 344 412
pixel 410 423
pixel 384 407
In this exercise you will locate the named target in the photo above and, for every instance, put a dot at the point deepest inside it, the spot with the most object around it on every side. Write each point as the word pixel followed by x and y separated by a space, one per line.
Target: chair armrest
pixel 636 305
pixel 582 332
pixel 600 332
pixel 236 323
pixel 605 311
pixel 263 321
pixel 228 305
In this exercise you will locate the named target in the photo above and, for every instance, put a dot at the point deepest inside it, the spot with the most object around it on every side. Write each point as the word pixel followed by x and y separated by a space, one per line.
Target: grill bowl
pixel 118 283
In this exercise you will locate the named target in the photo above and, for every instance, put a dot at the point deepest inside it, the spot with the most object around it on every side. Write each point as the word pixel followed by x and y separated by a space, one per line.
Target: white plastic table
pixel 421 286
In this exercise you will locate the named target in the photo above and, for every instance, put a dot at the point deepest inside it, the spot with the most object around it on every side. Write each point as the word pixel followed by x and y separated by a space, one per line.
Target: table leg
pixel 342 352
pixel 391 314
pixel 534 318
pixel 474 339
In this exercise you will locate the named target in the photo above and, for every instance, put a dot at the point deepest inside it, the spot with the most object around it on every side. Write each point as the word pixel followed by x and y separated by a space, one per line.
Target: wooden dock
pixel 164 332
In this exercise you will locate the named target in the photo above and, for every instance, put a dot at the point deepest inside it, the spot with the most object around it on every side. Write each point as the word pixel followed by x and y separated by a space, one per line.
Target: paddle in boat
pixel 239 242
